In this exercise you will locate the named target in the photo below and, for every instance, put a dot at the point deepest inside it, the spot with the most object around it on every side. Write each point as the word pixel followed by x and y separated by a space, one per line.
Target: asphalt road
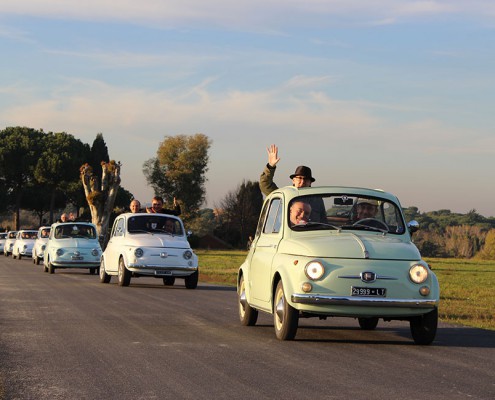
pixel 67 336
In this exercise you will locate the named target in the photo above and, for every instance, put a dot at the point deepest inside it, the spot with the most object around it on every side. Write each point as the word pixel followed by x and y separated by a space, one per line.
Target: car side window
pixel 119 228
pixel 274 217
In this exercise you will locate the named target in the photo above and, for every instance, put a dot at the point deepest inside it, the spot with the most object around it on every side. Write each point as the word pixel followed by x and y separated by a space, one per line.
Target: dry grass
pixel 467 287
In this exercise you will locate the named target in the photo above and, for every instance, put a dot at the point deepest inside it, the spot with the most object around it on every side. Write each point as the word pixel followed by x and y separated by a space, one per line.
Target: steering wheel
pixel 372 222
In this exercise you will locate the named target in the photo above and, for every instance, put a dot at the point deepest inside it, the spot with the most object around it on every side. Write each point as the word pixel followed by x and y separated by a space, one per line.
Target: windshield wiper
pixel 364 228
pixel 313 224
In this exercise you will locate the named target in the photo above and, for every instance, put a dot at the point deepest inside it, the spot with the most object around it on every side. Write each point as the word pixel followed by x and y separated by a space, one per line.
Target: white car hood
pixel 156 240
pixel 77 243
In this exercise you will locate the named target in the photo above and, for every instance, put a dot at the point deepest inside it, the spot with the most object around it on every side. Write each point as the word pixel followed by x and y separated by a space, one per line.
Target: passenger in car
pixel 135 206
pixel 157 207
pixel 302 177
pixel 299 213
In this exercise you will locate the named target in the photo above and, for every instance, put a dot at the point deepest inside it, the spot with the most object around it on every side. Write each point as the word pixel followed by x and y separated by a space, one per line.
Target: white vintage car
pixel 24 242
pixel 72 245
pixel 40 244
pixel 3 238
pixel 153 245
pixel 9 243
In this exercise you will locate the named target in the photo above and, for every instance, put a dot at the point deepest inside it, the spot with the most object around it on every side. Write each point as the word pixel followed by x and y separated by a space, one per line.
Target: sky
pixel 390 94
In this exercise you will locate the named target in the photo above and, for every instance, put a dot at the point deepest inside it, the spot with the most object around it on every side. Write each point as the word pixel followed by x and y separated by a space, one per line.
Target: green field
pixel 467 287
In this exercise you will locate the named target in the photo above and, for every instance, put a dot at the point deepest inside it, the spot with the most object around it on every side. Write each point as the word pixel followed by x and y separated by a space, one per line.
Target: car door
pixel 114 246
pixel 266 247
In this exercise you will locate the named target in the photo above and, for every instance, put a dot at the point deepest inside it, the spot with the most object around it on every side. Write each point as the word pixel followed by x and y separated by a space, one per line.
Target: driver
pixel 366 208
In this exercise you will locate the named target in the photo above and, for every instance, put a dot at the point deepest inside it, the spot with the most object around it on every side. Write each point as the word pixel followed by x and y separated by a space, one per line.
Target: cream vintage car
pixel 337 251
pixel 40 244
pixel 72 245
pixel 9 243
pixel 24 242
pixel 152 245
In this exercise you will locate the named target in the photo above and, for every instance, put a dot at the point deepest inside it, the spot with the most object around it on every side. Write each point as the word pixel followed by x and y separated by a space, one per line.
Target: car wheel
pixel 124 276
pixel 13 255
pixel 19 256
pixel 37 260
pixel 92 271
pixel 45 269
pixel 51 268
pixel 169 280
pixel 285 317
pixel 104 277
pixel 247 314
pixel 368 324
pixel 424 328
pixel 191 281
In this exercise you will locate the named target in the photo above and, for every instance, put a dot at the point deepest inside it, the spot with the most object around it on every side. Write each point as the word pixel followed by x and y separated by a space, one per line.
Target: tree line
pixel 39 171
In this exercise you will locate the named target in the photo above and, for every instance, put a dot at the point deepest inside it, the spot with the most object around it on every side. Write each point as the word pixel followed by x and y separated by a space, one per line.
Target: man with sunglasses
pixel 157 207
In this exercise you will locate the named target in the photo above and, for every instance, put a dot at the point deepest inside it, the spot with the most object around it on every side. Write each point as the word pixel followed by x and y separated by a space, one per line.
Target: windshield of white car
pixel 80 231
pixel 345 212
pixel 154 223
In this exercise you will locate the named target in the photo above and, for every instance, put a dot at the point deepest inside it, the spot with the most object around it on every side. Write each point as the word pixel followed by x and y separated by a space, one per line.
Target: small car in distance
pixel 40 244
pixel 153 245
pixel 352 258
pixel 3 238
pixel 9 243
pixel 24 242
pixel 72 245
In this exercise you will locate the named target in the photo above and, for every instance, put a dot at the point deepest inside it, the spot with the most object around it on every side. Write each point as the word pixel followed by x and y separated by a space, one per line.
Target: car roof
pixel 56 224
pixel 129 214
pixel 290 191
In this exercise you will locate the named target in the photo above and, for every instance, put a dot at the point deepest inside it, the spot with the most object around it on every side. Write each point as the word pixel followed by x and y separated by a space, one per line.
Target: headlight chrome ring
pixel 418 273
pixel 314 270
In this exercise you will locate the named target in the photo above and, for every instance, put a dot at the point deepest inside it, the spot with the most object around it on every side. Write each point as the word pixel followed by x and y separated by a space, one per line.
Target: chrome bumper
pixel 361 301
pixel 150 267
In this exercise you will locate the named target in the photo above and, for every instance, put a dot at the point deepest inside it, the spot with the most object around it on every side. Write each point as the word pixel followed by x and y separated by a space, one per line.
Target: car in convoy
pixel 9 243
pixel 356 259
pixel 24 242
pixel 72 245
pixel 152 245
pixel 40 244
pixel 3 238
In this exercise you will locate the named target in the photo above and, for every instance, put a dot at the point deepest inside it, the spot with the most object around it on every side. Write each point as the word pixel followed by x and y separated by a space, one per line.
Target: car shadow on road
pixel 447 336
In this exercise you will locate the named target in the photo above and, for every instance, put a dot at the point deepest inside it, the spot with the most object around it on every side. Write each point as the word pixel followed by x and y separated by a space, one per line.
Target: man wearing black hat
pixel 300 178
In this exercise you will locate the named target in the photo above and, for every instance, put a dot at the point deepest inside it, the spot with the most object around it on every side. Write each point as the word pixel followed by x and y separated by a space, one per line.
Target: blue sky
pixel 389 94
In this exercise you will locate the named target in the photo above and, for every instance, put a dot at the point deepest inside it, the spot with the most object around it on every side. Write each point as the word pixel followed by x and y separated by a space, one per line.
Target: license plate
pixel 77 258
pixel 163 272
pixel 365 291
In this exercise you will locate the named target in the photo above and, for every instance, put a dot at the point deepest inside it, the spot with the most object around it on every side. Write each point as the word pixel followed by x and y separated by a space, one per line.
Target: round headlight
pixel 138 252
pixel 95 252
pixel 314 270
pixel 43 247
pixel 60 252
pixel 418 273
pixel 187 254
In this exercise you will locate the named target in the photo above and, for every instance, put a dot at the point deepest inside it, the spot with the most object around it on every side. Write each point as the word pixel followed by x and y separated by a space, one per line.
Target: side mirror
pixel 413 226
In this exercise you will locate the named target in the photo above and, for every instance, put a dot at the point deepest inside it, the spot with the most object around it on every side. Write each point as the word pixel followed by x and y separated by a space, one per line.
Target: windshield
pixel 154 224
pixel 345 211
pixel 75 231
pixel 29 235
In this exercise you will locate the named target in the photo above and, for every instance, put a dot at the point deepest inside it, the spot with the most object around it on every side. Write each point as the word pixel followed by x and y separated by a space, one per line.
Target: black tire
pixel 247 314
pixel 92 271
pixel 424 328
pixel 51 268
pixel 104 277
pixel 169 280
pixel 19 256
pixel 13 255
pixel 124 276
pixel 37 260
pixel 191 281
pixel 368 324
pixel 285 317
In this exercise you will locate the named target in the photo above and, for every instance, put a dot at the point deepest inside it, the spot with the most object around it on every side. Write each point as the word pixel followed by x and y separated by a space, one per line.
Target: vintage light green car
pixel 337 251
